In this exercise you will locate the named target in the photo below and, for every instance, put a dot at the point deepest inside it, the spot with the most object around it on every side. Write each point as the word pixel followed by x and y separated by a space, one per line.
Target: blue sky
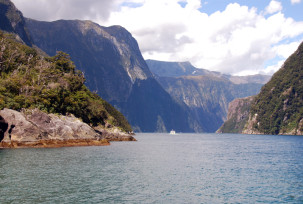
pixel 237 37
pixel 294 11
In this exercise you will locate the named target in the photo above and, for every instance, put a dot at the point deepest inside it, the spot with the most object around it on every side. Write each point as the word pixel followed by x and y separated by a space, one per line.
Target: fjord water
pixel 159 168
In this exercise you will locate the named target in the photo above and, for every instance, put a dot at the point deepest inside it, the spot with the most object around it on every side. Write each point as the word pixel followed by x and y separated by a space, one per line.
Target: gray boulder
pixel 33 125
pixel 35 128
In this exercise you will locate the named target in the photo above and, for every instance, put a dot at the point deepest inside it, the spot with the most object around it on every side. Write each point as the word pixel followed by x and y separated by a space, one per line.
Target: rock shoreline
pixel 54 143
pixel 36 129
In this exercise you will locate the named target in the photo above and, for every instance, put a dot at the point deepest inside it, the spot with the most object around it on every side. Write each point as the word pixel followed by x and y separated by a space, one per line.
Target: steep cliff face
pixel 109 57
pixel 278 109
pixel 159 113
pixel 114 67
pixel 238 113
pixel 12 21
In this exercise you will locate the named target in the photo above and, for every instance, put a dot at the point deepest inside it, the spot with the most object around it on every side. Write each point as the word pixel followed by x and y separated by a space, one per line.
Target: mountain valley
pixel 154 96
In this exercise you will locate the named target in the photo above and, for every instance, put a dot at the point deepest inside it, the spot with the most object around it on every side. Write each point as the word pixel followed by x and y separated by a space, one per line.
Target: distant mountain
pixel 205 93
pixel 114 67
pixel 177 69
pixel 278 109
pixel 258 78
pixel 12 21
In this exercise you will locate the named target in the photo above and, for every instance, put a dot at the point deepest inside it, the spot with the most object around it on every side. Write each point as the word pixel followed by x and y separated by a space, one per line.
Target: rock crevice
pixel 3 127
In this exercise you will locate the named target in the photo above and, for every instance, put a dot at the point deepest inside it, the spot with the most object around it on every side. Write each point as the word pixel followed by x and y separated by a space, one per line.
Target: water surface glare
pixel 159 168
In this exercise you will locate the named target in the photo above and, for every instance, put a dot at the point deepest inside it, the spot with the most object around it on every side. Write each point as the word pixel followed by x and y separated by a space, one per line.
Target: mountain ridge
pixel 12 20
pixel 178 69
pixel 114 67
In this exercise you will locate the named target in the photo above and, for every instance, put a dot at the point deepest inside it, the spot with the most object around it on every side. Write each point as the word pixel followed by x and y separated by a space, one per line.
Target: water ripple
pixel 159 168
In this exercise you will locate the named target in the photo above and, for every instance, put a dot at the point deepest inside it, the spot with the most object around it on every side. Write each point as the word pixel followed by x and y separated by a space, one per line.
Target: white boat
pixel 172 132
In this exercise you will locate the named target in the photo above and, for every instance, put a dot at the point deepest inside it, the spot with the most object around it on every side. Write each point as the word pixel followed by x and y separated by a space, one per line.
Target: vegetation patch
pixel 280 103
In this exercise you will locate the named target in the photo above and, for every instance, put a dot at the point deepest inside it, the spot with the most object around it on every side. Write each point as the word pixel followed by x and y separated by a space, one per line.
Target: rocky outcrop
pixel 34 128
pixel 239 108
pixel 114 134
pixel 238 113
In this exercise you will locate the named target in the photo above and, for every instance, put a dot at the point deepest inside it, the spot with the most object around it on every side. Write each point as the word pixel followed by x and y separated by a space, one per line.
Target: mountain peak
pixel 12 21
pixel 7 2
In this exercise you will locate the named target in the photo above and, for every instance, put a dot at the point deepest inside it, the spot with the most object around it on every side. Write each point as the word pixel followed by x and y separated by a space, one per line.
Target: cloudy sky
pixel 237 37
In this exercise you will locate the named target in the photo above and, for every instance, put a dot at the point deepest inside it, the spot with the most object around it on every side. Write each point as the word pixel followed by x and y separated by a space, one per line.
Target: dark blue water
pixel 159 168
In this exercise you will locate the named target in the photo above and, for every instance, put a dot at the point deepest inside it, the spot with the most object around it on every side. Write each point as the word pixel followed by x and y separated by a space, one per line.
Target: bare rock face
pixel 33 125
pixel 19 129
pixel 234 108
pixel 34 128
pixel 56 127
pixel 109 56
pixel 238 114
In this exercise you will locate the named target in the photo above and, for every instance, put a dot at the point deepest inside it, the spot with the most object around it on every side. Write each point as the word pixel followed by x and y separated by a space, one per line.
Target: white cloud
pixel 237 40
pixel 273 7
pixel 50 10
pixel 295 1
pixel 284 50
pixel 271 69
pixel 193 4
